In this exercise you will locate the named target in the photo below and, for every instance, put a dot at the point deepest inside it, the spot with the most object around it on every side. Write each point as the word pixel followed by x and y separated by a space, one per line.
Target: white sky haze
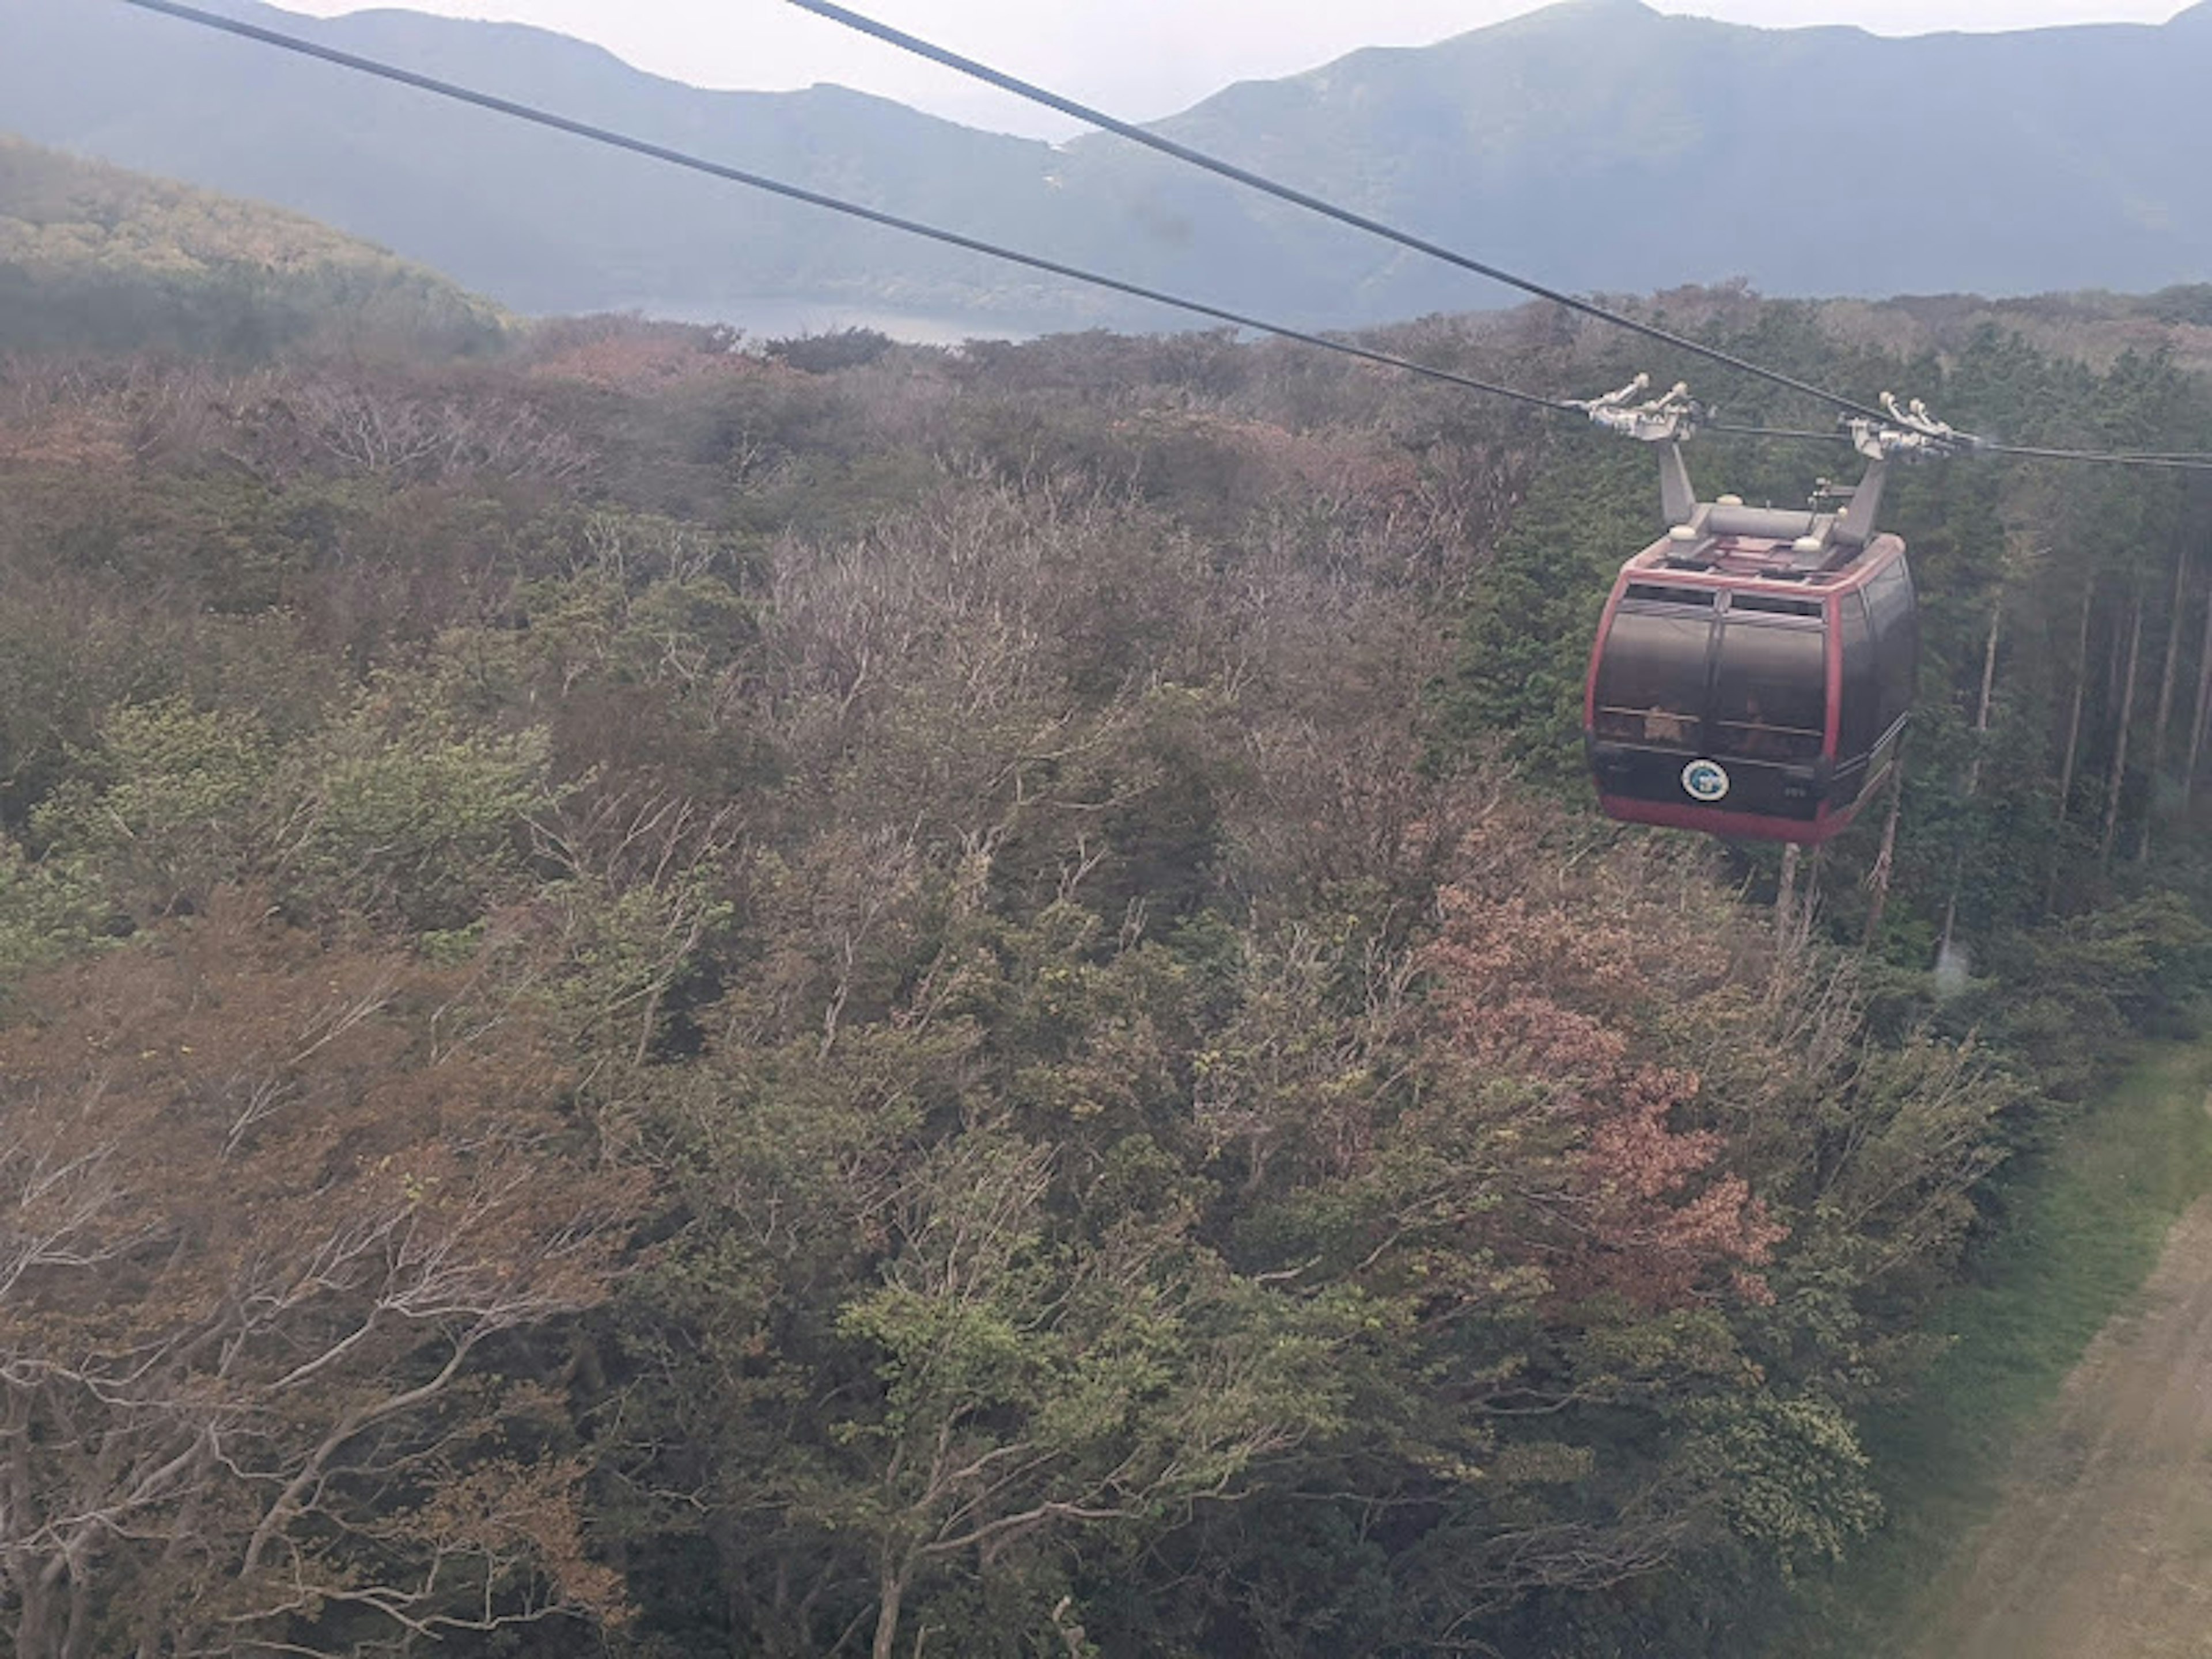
pixel 1140 58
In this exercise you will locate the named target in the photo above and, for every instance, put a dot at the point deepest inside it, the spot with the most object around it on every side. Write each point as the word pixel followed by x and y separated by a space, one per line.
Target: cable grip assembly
pixel 1910 433
pixel 1670 418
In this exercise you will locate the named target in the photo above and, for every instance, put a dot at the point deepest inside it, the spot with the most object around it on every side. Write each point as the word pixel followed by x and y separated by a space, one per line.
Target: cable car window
pixel 1896 641
pixel 1671 595
pixel 1774 604
pixel 1771 691
pixel 1888 596
pixel 1861 725
pixel 1651 678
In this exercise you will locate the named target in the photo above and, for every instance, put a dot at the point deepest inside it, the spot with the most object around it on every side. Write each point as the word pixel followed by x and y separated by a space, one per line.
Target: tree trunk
pixel 2073 746
pixel 2112 674
pixel 2120 740
pixel 22 1573
pixel 1878 877
pixel 1974 774
pixel 2165 700
pixel 1981 709
pixel 77 1641
pixel 2203 703
pixel 33 1615
pixel 890 1591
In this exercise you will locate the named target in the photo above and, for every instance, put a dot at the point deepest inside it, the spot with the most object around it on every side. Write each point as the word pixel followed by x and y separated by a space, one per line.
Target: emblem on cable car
pixel 1705 780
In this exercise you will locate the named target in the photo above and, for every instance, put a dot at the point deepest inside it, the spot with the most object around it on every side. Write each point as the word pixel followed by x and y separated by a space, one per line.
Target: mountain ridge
pixel 1583 143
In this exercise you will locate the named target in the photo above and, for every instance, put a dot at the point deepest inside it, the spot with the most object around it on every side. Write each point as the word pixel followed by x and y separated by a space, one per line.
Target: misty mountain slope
pixel 1602 145
pixel 541 220
pixel 91 255
pixel 1595 145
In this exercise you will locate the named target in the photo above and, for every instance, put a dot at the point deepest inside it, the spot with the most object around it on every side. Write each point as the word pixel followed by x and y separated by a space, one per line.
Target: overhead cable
pixel 2097 457
pixel 2173 462
pixel 600 135
pixel 1214 164
pixel 1784 434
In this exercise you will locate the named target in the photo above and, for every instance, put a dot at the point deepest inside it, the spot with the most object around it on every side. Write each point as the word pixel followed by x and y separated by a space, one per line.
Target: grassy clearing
pixel 2090 1218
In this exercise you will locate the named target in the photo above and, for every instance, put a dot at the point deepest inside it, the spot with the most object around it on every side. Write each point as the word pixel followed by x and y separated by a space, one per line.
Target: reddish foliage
pixel 1630 1205
pixel 629 354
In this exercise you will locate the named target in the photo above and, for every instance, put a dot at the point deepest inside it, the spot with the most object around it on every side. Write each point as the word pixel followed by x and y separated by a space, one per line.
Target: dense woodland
pixel 660 999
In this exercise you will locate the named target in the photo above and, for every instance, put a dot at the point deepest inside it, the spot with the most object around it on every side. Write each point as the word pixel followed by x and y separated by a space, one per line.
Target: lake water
pixel 778 320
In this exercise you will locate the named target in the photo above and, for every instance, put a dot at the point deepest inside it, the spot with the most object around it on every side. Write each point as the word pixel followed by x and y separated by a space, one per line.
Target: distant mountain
pixel 94 256
pixel 541 222
pixel 1605 146
pixel 1596 144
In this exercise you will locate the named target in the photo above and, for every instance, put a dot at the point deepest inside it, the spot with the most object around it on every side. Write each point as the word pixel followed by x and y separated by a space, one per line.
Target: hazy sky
pixel 1140 59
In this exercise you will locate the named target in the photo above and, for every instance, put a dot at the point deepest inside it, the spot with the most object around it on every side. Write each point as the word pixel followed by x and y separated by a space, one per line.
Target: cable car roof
pixel 1758 562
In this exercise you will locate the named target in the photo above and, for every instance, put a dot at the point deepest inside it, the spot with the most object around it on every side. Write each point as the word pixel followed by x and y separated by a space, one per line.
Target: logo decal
pixel 1704 780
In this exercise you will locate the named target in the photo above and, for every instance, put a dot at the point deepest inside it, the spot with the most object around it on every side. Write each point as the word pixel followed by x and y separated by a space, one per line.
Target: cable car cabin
pixel 1754 671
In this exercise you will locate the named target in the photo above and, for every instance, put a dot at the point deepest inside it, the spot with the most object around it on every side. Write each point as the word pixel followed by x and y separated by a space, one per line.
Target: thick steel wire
pixel 1213 164
pixel 2094 457
pixel 1783 433
pixel 600 135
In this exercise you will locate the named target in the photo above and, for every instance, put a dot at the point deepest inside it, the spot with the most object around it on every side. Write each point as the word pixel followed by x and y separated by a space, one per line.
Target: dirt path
pixel 2102 1547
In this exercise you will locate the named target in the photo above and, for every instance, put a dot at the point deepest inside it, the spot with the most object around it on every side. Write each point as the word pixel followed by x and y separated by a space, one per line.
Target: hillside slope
pixel 543 222
pixel 92 255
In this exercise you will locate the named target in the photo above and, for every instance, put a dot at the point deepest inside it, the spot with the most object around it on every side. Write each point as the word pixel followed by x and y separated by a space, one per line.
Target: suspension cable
pixel 2172 463
pixel 2179 463
pixel 1214 164
pixel 1783 434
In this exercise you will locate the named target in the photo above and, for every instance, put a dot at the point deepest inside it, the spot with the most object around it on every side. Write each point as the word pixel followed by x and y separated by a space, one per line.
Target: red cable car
pixel 1754 671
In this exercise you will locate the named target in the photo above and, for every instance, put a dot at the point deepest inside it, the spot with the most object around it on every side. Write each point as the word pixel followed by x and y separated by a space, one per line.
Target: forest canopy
pixel 659 999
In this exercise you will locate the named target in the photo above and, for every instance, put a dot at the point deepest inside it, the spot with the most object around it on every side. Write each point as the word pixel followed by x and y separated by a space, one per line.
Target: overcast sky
pixel 1140 59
